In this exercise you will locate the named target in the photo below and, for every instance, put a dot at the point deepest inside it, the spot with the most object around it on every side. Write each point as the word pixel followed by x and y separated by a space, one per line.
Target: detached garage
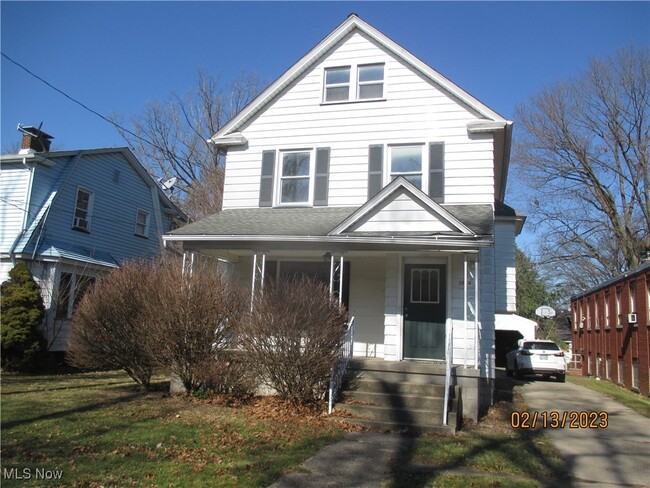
pixel 509 328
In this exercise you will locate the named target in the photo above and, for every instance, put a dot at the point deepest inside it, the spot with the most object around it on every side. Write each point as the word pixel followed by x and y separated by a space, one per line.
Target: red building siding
pixel 611 345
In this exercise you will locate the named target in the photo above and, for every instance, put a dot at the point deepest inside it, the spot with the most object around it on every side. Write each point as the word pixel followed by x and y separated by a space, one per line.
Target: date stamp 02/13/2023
pixel 559 420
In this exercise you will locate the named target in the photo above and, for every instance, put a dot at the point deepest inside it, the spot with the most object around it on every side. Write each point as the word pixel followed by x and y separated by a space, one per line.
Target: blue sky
pixel 116 56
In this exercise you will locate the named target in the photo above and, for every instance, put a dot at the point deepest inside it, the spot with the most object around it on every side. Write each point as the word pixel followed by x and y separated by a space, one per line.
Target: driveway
pixel 617 455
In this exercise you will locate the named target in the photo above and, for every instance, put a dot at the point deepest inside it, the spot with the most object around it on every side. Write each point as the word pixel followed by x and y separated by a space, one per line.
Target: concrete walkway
pixel 361 460
pixel 618 455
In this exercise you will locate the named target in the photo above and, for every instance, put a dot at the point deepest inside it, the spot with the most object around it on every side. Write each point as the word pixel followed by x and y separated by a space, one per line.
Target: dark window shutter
pixel 321 182
pixel 375 170
pixel 437 171
pixel 266 182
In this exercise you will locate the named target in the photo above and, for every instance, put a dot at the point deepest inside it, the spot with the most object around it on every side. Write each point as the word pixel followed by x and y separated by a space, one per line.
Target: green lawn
pixel 100 430
pixel 635 401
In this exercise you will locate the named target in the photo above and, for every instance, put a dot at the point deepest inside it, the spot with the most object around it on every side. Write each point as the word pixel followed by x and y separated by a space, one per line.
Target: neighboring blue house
pixel 73 215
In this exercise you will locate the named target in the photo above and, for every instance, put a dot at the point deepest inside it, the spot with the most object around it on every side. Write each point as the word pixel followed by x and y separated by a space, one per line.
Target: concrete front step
pixel 410 428
pixel 396 388
pixel 417 372
pixel 404 395
pixel 394 400
pixel 391 414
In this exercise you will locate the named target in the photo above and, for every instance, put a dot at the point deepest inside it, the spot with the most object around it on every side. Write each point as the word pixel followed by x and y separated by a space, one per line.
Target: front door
pixel 425 311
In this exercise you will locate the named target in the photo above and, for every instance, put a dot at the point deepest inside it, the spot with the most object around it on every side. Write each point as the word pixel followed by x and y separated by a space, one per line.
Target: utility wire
pixel 116 125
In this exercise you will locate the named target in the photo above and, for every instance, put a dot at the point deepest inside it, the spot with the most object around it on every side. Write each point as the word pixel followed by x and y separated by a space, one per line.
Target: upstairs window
pixel 354 83
pixel 83 210
pixel 371 81
pixel 337 84
pixel 142 223
pixel 295 177
pixel 406 161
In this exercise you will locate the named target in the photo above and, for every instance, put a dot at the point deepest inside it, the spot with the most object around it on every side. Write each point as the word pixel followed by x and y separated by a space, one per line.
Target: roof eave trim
pixel 431 241
pixel 233 139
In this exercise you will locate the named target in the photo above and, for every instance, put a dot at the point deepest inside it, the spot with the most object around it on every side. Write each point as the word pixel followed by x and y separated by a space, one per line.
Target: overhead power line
pixel 86 107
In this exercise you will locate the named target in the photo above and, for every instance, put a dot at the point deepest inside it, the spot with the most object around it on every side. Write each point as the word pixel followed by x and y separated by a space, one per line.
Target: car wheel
pixel 561 378
pixel 508 371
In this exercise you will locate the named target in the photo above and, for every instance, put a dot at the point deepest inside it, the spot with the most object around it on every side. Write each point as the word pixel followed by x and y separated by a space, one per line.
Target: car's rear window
pixel 541 345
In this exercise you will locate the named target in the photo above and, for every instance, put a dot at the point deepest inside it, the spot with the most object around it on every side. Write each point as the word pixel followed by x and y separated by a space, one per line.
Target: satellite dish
pixel 545 311
pixel 169 184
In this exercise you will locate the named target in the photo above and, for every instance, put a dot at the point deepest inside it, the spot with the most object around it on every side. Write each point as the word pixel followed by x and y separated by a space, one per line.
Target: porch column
pixel 336 273
pixel 471 300
pixel 259 267
pixel 188 263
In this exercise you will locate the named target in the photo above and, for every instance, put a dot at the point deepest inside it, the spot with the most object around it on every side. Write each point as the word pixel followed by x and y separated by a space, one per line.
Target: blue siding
pixel 115 204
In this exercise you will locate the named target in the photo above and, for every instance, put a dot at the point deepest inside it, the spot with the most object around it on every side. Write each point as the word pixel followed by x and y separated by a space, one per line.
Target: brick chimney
pixel 34 139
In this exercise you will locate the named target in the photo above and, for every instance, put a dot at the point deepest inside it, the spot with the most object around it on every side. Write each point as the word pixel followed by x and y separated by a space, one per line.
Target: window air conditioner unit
pixel 631 318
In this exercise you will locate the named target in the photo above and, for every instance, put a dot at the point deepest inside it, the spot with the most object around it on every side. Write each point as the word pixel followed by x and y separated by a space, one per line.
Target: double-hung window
pixel 371 81
pixel 295 177
pixel 83 210
pixel 354 83
pixel 406 161
pixel 142 223
pixel 337 84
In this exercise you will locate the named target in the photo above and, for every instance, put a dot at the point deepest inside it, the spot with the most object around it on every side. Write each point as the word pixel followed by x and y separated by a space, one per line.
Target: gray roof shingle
pixel 317 221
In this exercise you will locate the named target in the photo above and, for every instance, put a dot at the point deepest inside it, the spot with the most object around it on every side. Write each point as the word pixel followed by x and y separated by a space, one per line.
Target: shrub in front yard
pixel 111 327
pixel 21 307
pixel 197 315
pixel 293 337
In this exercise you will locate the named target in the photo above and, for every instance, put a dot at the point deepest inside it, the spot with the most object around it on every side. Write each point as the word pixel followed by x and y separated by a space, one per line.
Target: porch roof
pixel 310 222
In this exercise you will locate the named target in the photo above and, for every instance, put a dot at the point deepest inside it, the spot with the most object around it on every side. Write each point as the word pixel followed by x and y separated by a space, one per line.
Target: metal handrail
pixel 341 364
pixel 450 352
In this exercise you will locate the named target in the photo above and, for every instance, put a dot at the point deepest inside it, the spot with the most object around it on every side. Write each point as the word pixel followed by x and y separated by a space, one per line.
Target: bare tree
pixel 584 155
pixel 172 138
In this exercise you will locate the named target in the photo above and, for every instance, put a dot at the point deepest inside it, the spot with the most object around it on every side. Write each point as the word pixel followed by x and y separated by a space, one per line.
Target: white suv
pixel 536 357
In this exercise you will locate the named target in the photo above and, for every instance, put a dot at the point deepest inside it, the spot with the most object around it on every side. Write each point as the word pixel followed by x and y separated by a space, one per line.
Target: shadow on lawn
pixel 405 474
pixel 72 411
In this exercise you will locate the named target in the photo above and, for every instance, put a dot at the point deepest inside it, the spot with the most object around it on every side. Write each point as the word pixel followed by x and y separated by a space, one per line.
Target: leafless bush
pixel 197 315
pixel 292 339
pixel 230 373
pixel 110 327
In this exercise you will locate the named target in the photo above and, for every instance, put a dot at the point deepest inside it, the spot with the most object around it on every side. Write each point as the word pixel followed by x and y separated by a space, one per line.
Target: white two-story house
pixel 367 168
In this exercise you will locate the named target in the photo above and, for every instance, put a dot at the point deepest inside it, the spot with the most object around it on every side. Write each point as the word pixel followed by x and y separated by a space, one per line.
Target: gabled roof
pixel 228 133
pixel 28 242
pixel 415 213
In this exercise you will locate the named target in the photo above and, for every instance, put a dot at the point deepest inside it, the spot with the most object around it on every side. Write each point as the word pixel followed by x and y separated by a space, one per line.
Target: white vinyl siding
pixel 367 289
pixel 13 202
pixel 414 112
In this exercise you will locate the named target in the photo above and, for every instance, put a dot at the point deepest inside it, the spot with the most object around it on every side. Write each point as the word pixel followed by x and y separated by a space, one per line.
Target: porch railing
pixel 341 364
pixel 450 359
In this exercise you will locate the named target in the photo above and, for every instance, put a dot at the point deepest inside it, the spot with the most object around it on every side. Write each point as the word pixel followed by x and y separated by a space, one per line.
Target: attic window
pixel 354 83
pixel 337 84
pixel 371 81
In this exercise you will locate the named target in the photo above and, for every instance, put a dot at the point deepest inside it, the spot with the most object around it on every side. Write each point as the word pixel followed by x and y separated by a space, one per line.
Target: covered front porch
pixel 408 305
